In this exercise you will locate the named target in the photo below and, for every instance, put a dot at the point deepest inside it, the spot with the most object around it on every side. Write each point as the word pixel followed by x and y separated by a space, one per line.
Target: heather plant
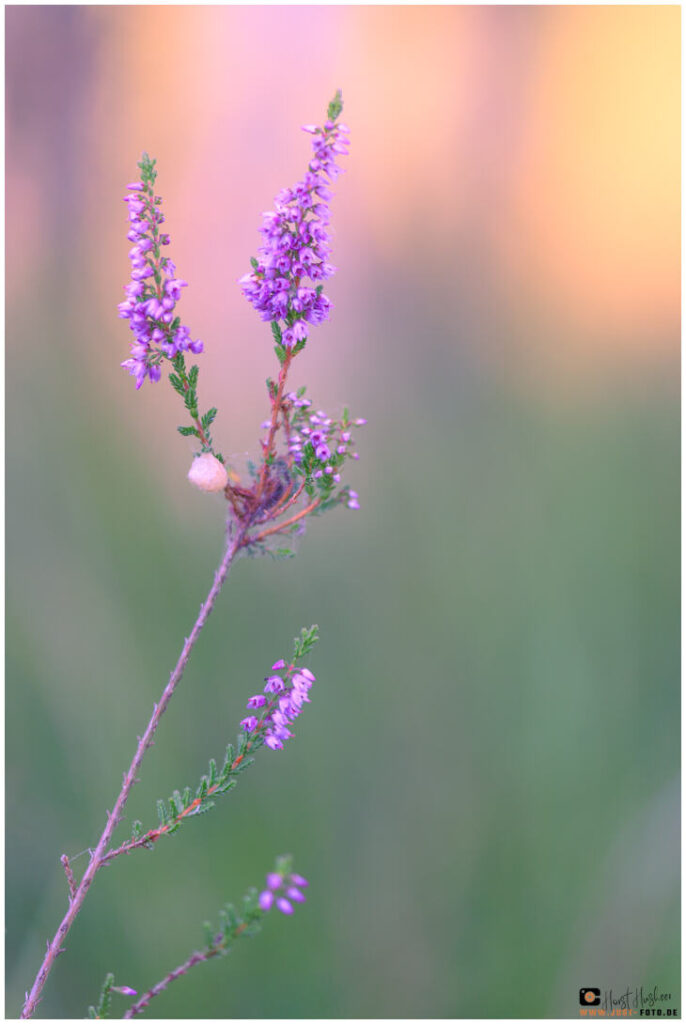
pixel 297 474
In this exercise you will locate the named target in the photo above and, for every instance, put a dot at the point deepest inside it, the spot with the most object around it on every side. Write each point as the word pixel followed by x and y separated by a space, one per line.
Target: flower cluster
pixel 283 890
pixel 297 246
pixel 154 289
pixel 287 690
pixel 319 445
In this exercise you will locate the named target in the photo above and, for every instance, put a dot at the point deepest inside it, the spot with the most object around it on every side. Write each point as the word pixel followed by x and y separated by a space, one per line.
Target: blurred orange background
pixel 529 156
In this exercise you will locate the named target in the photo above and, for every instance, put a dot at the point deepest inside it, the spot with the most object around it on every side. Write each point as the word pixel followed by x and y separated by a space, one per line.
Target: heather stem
pixel 114 817
pixel 286 523
pixel 178 972
pixel 276 408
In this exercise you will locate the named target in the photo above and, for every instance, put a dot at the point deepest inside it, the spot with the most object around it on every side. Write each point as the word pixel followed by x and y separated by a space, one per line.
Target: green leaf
pixel 276 331
pixel 280 354
pixel 335 107
pixel 162 812
pixel 208 418
pixel 230 919
pixel 210 934
pixel 250 902
pixel 188 431
pixel 283 865
pixel 304 643
pixel 228 761
pixel 105 1003
pixel 204 807
pixel 224 787
pixel 253 263
pixel 148 172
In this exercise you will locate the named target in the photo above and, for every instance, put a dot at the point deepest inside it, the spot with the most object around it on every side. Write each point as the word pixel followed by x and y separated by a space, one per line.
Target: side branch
pixel 178 972
pixel 154 834
pixel 285 524
pixel 114 817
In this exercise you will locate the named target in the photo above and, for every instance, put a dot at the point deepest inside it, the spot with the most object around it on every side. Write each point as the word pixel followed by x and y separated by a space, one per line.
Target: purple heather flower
pixel 295 895
pixel 301 681
pixel 154 289
pixel 280 663
pixel 282 892
pixel 318 438
pixel 297 244
pixel 286 696
pixel 353 499
pixel 265 900
pixel 274 684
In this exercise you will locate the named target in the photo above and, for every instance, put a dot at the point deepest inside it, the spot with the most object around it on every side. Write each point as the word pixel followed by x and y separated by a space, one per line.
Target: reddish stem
pixel 269 443
pixel 282 526
pixel 178 972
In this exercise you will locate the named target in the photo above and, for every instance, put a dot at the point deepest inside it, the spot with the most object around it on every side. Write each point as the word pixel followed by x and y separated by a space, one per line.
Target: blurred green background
pixel 484 792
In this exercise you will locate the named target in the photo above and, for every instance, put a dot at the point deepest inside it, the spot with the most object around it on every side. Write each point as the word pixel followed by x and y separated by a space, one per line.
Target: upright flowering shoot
pixel 154 289
pixel 285 283
pixel 150 306
pixel 303 451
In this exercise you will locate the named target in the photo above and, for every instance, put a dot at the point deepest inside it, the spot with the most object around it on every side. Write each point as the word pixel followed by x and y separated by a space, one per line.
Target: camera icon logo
pixel 589 996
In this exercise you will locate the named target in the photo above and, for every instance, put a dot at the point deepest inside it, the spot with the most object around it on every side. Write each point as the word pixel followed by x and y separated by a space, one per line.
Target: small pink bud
pixel 207 473
pixel 265 900
pixel 299 880
pixel 295 895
